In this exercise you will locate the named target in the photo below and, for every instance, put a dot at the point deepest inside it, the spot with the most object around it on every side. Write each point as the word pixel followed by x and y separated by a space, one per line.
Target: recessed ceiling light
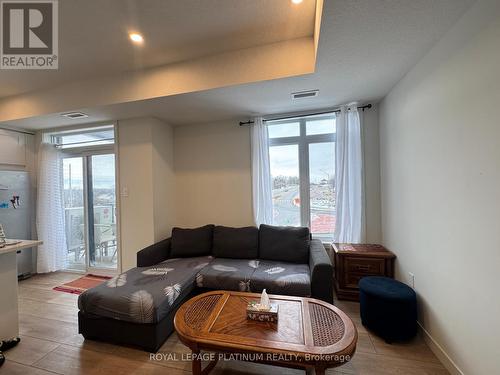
pixel 136 38
pixel 297 1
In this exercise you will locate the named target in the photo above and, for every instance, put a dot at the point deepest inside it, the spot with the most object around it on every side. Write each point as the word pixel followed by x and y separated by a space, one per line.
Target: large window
pixel 302 158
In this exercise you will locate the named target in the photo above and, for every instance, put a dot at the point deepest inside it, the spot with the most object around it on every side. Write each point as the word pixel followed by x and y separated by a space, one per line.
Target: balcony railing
pixel 104 252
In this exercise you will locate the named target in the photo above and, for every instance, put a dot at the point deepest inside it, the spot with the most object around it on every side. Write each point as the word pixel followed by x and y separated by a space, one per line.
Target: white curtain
pixel 261 174
pixel 349 180
pixel 52 254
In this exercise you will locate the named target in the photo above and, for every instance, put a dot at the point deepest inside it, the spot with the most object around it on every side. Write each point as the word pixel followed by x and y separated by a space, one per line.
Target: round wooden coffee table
pixel 309 333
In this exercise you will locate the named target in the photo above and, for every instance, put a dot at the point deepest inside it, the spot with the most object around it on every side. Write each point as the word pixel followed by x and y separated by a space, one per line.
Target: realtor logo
pixel 29 34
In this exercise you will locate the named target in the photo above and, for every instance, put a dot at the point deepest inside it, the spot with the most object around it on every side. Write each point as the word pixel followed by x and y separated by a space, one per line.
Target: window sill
pixel 326 239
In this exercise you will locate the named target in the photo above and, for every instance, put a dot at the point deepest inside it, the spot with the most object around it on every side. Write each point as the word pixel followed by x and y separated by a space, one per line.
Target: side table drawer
pixel 365 266
pixel 352 279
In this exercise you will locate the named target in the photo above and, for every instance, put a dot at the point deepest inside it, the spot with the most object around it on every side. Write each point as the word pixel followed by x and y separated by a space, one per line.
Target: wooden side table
pixel 354 261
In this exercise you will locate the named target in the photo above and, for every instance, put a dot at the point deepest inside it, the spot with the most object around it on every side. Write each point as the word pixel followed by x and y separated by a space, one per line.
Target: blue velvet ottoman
pixel 388 308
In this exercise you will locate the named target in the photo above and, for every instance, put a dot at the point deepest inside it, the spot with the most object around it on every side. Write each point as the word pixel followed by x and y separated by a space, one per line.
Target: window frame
pixel 86 152
pixel 79 148
pixel 303 141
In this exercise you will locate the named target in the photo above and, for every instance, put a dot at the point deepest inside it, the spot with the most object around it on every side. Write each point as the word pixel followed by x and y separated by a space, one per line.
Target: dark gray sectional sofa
pixel 137 307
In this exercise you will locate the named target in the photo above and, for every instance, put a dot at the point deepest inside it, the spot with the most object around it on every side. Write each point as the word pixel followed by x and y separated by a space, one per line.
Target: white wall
pixel 440 153
pixel 372 174
pixel 213 174
pixel 145 173
pixel 135 177
pixel 163 180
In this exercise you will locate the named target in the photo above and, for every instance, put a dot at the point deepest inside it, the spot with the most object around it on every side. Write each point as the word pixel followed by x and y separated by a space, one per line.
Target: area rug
pixel 81 284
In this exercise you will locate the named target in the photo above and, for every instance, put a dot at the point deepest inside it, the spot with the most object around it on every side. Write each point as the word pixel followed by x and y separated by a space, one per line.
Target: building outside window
pixel 302 163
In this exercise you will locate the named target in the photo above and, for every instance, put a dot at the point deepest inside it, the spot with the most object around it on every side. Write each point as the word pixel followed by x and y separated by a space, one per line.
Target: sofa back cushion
pixel 238 243
pixel 286 244
pixel 191 242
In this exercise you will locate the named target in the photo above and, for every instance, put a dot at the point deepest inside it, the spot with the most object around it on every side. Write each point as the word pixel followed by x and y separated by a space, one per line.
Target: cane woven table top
pixel 217 321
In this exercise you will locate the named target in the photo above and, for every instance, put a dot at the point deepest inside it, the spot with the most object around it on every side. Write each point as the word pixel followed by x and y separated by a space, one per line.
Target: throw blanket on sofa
pixel 138 295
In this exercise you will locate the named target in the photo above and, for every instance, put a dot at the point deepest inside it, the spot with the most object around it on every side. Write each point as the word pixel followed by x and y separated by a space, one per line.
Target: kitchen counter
pixel 24 244
pixel 9 319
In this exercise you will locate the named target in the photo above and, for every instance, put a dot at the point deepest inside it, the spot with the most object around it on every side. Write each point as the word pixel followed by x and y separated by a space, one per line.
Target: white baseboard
pixel 440 353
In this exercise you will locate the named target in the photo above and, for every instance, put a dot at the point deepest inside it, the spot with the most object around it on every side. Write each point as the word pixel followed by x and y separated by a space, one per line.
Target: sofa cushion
pixel 144 294
pixel 281 278
pixel 241 243
pixel 191 242
pixel 286 244
pixel 227 274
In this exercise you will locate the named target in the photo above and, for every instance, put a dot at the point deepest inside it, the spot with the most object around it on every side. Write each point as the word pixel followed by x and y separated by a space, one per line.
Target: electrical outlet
pixel 125 191
pixel 412 279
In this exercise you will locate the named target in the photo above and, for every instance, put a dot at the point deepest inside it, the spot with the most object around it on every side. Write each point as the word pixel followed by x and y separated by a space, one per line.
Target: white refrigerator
pixel 16 214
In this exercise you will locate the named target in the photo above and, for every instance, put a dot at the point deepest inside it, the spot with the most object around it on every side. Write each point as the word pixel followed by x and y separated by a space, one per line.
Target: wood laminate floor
pixel 50 344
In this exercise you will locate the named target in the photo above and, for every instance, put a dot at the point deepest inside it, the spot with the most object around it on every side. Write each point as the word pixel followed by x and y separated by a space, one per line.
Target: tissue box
pixel 271 316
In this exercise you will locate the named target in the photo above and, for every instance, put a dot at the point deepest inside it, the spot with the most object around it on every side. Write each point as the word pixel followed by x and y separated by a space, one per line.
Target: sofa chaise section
pixel 143 296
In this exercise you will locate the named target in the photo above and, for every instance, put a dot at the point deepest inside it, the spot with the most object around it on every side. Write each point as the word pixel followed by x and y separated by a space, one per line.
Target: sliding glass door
pixel 90 211
pixel 101 193
pixel 74 212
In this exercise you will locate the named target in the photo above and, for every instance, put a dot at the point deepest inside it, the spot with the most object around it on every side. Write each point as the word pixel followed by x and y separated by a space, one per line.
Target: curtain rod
pixel 363 107
pixel 17 131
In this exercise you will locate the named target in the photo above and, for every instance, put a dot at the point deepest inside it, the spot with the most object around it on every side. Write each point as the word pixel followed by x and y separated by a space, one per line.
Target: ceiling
pixel 365 48
pixel 93 35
